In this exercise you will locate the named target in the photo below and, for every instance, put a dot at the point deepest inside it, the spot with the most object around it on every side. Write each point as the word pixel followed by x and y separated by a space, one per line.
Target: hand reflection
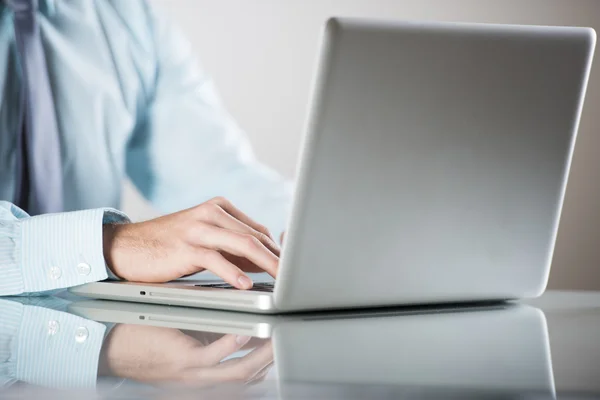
pixel 163 355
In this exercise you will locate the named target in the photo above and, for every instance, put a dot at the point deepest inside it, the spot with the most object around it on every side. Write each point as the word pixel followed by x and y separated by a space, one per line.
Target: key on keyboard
pixel 258 286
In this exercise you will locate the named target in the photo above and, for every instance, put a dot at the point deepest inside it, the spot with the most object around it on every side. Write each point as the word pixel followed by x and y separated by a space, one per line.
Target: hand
pixel 168 356
pixel 213 236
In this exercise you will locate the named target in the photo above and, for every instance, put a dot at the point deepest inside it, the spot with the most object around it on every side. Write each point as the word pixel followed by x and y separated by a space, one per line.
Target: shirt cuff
pixel 57 350
pixel 64 250
pixel 11 313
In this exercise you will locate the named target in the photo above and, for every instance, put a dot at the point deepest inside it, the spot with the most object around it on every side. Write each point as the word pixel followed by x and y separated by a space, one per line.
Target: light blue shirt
pixel 131 101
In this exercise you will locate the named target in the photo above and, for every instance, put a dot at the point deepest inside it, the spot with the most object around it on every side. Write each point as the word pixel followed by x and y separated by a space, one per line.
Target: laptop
pixel 476 351
pixel 433 170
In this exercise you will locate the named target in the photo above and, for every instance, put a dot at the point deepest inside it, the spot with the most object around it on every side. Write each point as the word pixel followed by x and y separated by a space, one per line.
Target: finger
pixel 241 369
pixel 241 245
pixel 257 377
pixel 261 375
pixel 215 352
pixel 255 342
pixel 238 214
pixel 220 266
pixel 242 263
pixel 202 337
pixel 253 363
pixel 225 220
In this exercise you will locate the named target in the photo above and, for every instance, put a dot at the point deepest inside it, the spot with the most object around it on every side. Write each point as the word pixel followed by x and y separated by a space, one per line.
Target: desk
pixel 541 348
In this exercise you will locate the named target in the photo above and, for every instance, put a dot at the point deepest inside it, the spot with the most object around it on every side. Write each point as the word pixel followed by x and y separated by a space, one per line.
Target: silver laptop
pixel 433 170
pixel 470 352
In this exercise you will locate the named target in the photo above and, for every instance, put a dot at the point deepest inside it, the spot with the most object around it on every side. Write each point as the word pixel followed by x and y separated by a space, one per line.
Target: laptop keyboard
pixel 258 286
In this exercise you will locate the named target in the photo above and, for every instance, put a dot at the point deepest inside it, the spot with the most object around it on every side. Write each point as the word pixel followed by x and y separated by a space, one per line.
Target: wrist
pixel 112 248
pixel 106 359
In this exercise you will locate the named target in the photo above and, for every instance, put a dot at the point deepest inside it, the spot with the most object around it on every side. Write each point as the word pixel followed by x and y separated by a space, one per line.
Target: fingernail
pixel 245 282
pixel 242 340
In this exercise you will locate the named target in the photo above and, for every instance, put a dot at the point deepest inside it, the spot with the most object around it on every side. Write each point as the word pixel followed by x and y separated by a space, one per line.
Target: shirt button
pixel 53 327
pixel 84 269
pixel 81 334
pixel 55 273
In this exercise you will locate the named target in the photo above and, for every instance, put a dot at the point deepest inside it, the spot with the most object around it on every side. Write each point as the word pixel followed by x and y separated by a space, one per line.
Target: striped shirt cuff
pixel 59 250
pixel 57 349
pixel 11 315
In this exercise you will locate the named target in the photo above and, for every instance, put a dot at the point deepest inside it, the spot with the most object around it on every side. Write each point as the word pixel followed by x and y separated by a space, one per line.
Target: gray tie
pixel 39 187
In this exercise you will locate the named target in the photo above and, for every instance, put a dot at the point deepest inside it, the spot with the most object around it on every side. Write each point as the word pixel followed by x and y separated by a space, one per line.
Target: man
pixel 92 92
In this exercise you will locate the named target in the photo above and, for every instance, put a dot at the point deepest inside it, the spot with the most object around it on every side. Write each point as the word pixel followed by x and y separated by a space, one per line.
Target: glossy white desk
pixel 542 348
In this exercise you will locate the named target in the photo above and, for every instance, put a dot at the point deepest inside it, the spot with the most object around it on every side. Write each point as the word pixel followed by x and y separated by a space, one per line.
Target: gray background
pixel 261 54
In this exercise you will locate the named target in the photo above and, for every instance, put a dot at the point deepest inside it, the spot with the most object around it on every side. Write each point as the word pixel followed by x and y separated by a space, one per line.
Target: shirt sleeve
pixel 46 347
pixel 51 251
pixel 187 148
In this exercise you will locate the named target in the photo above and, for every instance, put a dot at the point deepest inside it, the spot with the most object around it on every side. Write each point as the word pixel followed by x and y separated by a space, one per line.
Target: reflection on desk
pixel 138 351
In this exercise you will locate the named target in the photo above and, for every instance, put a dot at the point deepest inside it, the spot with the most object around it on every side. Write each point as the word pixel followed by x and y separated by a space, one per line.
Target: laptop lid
pixel 435 163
